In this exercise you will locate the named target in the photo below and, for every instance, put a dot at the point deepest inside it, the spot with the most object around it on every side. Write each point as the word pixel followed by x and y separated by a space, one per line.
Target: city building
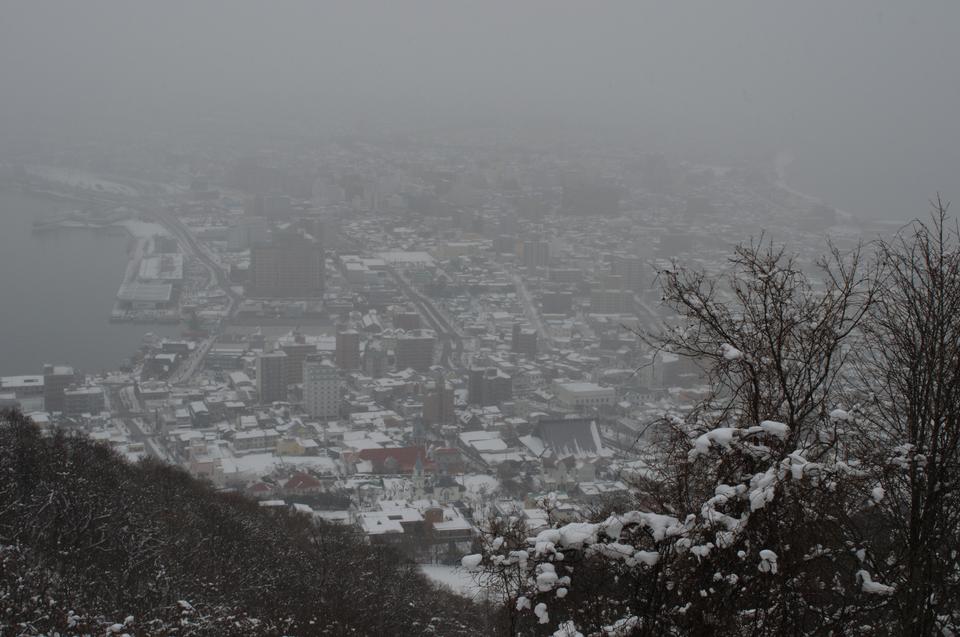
pixel 374 358
pixel 438 404
pixel 145 296
pixel 247 232
pixel 321 389
pixel 27 390
pixel 348 350
pixel 407 321
pixel 83 400
pixel 291 265
pixel 505 244
pixel 272 376
pixel 556 302
pixel 297 350
pixel 489 386
pixel 161 268
pixel 255 440
pixel 584 395
pixel 632 270
pixel 524 341
pixel 56 378
pixel 586 196
pixel 536 253
pixel 415 350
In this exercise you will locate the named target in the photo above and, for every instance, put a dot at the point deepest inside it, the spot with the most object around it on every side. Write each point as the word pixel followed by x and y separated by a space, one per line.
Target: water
pixel 57 289
pixel 881 180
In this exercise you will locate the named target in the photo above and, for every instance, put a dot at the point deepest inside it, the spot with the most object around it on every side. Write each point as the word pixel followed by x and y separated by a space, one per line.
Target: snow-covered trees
pixel 90 544
pixel 814 492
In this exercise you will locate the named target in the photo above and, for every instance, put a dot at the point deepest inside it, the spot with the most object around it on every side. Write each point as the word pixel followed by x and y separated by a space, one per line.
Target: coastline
pixel 76 278
pixel 781 166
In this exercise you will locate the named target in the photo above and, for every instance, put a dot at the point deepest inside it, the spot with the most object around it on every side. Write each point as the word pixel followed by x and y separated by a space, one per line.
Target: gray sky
pixel 851 81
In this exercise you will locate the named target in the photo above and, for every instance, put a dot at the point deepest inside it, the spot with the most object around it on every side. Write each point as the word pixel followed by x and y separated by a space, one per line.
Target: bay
pixel 57 289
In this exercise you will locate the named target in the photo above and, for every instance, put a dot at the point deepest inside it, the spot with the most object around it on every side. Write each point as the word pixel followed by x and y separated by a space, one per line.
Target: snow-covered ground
pixel 259 464
pixel 453 577
pixel 479 484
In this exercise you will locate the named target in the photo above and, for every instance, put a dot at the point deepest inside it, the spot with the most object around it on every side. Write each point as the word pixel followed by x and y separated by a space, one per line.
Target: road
pixel 123 402
pixel 188 367
pixel 530 310
pixel 172 223
pixel 451 356
pixel 192 247
pixel 136 427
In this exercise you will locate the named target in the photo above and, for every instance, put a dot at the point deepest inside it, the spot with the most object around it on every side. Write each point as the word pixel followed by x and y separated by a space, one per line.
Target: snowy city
pixel 264 374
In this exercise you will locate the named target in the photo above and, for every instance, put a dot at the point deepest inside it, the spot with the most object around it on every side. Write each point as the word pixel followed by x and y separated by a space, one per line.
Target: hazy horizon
pixel 859 91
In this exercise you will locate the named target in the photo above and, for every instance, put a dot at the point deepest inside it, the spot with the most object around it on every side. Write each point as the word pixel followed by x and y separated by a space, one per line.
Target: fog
pixel 848 81
pixel 502 317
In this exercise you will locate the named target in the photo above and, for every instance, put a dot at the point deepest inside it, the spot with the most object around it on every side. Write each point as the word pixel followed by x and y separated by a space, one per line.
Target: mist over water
pixel 58 288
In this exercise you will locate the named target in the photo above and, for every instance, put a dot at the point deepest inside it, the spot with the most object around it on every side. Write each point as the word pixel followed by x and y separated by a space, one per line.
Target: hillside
pixel 90 544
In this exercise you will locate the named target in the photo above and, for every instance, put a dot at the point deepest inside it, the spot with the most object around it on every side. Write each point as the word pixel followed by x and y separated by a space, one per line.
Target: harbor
pixel 60 287
pixel 154 274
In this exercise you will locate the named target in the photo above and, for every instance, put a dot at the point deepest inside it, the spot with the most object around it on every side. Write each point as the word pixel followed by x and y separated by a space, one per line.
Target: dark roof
pixel 570 437
pixel 447 481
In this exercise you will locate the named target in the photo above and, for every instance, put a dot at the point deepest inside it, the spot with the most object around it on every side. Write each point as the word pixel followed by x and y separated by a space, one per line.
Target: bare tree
pixel 772 343
pixel 911 372
pixel 768 337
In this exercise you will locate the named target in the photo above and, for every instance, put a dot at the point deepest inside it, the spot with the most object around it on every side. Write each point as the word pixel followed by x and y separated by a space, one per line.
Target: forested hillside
pixel 90 544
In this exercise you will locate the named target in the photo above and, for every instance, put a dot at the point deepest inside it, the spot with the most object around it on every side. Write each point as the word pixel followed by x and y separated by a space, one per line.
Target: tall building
pixel 415 350
pixel 632 269
pixel 272 376
pixel 246 232
pixel 505 244
pixel 489 386
pixel 407 321
pixel 556 302
pixel 536 254
pixel 297 350
pixel 348 350
pixel 268 205
pixel 588 196
pixel 438 404
pixel 56 378
pixel 374 358
pixel 321 389
pixel 524 341
pixel 291 265
pixel 83 400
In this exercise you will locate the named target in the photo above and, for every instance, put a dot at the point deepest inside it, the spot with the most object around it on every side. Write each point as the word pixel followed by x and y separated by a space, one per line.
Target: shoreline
pixel 79 286
pixel 142 233
pixel 781 165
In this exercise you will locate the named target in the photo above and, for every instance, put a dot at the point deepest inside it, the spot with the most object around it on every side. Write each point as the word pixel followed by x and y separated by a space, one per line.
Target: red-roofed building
pixel 396 459
pixel 302 483
pixel 260 490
